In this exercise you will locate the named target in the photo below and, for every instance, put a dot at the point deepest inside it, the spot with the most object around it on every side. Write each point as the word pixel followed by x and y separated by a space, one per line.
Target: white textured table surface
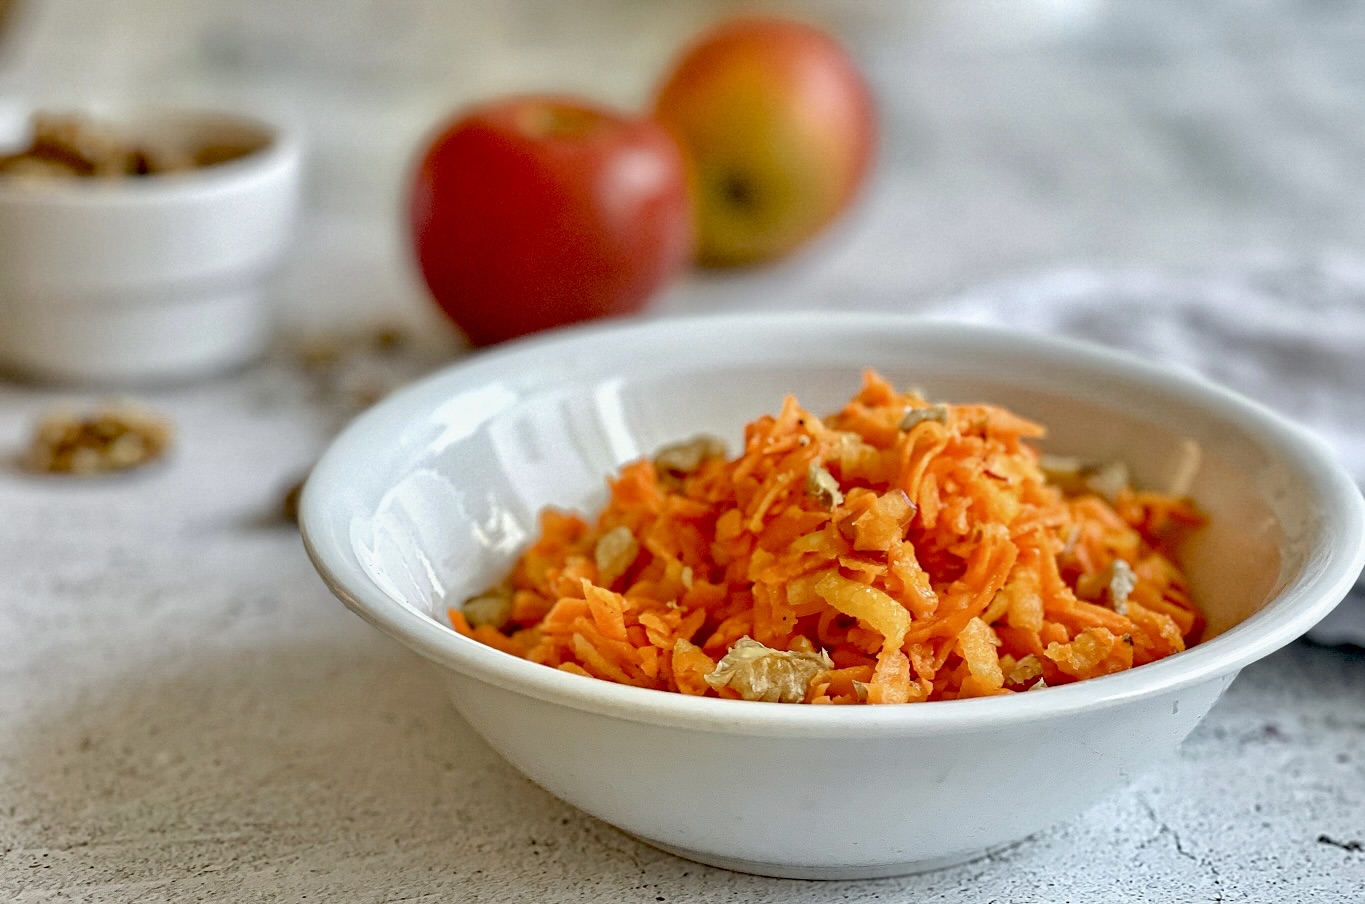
pixel 185 714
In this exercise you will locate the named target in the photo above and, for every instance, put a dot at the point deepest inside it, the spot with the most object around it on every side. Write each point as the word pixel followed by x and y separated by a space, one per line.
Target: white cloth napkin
pixel 1292 337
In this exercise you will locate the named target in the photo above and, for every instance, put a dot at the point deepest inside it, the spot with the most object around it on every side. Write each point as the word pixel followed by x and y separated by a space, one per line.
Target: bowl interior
pixel 457 470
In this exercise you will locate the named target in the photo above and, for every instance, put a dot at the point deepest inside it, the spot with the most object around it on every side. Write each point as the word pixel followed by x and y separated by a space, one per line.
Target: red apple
pixel 534 212
pixel 779 128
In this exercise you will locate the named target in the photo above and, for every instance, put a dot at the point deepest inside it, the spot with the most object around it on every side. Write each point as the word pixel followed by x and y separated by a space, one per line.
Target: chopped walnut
pixel 155 159
pixel 680 459
pixel 66 146
pixel 1060 469
pixel 759 672
pixel 616 551
pixel 1122 582
pixel 116 437
pixel 916 416
pixel 1073 476
pixel 1064 472
pixel 1026 669
pixel 216 152
pixel 87 148
pixel 821 484
pixel 492 607
pixel 35 169
pixel 1108 480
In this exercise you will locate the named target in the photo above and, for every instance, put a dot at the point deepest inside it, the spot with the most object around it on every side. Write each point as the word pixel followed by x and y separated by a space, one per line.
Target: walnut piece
pixel 759 672
pixel 1122 582
pixel 1026 669
pixel 1108 480
pixel 492 607
pixel 915 416
pixel 680 459
pixel 1074 476
pixel 70 146
pixel 821 484
pixel 116 437
pixel 615 552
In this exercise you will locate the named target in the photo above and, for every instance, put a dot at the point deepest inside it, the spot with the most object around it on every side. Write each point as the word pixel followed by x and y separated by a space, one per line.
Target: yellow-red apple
pixel 779 129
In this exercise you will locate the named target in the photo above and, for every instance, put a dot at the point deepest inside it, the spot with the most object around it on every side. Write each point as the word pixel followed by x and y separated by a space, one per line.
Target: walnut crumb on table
pixel 114 437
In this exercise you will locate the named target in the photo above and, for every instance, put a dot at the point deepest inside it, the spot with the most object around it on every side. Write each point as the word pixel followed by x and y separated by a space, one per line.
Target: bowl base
pixel 826 873
pixel 123 342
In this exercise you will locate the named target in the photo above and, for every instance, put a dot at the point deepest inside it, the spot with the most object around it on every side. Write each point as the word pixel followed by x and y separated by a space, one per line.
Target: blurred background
pixel 1019 135
pixel 184 704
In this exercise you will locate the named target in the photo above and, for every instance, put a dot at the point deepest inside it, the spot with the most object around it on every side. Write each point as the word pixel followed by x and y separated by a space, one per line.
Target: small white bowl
pixel 148 278
pixel 427 498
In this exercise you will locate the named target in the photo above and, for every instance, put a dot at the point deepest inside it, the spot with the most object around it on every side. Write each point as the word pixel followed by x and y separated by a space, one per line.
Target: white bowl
pixel 427 498
pixel 148 278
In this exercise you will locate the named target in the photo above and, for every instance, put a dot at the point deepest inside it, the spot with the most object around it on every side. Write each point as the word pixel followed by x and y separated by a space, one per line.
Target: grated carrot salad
pixel 893 552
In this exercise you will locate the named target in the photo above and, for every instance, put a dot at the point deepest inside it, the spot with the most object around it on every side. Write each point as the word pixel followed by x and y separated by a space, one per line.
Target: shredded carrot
pixel 918 547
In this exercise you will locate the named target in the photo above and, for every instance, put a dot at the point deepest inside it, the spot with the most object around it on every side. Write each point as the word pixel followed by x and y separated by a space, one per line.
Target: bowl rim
pixel 282 150
pixel 1295 609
